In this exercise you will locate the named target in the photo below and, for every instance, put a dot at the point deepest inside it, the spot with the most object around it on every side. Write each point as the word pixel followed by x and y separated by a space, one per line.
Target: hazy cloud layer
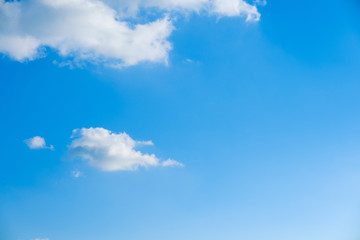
pixel 110 151
pixel 99 31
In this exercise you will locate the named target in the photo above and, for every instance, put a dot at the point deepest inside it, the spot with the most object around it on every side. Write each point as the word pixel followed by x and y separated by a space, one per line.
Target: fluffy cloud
pixel 82 29
pixel 112 151
pixel 233 8
pixel 37 143
pixel 99 31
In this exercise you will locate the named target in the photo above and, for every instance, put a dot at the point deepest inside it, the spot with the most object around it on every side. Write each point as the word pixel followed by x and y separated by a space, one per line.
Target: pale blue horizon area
pixel 264 116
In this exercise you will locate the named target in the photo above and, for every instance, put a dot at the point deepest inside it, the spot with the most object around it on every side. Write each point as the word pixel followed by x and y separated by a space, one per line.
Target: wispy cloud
pixel 99 31
pixel 171 163
pixel 38 142
pixel 110 151
pixel 76 173
pixel 261 2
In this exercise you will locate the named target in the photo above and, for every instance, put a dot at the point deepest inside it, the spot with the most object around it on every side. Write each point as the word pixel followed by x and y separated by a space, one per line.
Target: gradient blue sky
pixel 264 116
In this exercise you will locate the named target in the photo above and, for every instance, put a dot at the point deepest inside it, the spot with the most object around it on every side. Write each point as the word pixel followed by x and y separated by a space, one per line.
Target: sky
pixel 179 119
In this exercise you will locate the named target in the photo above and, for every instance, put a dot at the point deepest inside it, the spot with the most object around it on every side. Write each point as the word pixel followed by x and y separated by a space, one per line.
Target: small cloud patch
pixel 38 142
pixel 76 173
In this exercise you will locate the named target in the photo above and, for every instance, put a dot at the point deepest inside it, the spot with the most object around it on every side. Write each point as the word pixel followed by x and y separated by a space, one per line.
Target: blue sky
pixel 259 119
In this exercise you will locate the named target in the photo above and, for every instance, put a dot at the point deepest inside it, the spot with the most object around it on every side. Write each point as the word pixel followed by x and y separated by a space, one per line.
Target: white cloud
pixel 131 7
pixel 41 239
pixel 171 162
pixel 38 142
pixel 82 29
pixel 221 7
pixel 233 8
pixel 110 151
pixel 99 31
pixel 76 173
pixel 261 2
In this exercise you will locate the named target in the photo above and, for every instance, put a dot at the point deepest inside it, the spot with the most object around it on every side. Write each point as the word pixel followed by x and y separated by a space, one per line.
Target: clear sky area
pixel 179 120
